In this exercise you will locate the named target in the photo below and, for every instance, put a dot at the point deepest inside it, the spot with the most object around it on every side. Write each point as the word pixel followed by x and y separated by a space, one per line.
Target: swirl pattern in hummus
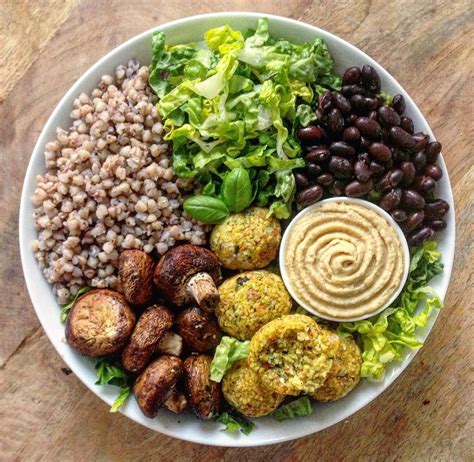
pixel 344 260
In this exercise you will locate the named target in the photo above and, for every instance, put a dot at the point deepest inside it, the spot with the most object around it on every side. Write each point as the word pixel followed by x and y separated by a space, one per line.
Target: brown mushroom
pixel 176 402
pixel 99 323
pixel 156 383
pixel 136 276
pixel 204 395
pixel 187 274
pixel 152 325
pixel 199 330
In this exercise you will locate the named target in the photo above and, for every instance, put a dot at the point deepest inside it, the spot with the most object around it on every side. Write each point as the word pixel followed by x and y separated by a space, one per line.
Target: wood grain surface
pixel 47 414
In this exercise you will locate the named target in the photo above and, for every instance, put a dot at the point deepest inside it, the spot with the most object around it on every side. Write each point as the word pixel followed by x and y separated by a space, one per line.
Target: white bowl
pixel 183 426
pixel 351 200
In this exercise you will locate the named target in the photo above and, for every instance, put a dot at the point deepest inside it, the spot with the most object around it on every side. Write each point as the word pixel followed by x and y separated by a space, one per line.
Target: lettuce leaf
pixel 237 103
pixel 300 407
pixel 383 338
pixel 229 351
pixel 66 308
pixel 109 373
pixel 234 422
pixel 121 398
pixel 224 39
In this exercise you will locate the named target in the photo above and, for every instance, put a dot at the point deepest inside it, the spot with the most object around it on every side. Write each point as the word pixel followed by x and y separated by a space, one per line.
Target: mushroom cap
pixel 199 330
pixel 180 263
pixel 156 383
pixel 99 323
pixel 150 329
pixel 136 276
pixel 204 395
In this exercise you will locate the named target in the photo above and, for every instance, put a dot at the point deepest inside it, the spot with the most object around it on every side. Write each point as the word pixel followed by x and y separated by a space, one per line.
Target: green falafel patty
pixel 242 390
pixel 250 300
pixel 247 240
pixel 291 355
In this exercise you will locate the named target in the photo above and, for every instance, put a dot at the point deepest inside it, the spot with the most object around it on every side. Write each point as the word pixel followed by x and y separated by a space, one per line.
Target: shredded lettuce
pixel 384 337
pixel 229 351
pixel 234 422
pixel 66 308
pixel 300 407
pixel 109 373
pixel 386 98
pixel 121 398
pixel 236 102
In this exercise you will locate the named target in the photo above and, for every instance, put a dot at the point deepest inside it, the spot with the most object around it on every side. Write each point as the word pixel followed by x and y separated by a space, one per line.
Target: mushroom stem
pixel 176 402
pixel 171 344
pixel 203 289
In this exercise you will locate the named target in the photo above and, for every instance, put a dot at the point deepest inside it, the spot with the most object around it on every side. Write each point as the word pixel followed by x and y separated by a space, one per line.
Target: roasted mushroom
pixel 189 273
pixel 136 276
pixel 204 395
pixel 153 324
pixel 99 323
pixel 156 383
pixel 176 402
pixel 199 330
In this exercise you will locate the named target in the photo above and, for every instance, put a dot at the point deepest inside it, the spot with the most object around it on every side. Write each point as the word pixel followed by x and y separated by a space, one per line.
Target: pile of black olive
pixel 361 147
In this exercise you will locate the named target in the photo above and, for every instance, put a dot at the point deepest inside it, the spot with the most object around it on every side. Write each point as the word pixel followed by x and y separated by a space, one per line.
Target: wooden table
pixel 47 414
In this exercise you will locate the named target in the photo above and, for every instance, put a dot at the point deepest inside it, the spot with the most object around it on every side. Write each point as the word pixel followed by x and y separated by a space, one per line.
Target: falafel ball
pixel 249 300
pixel 344 374
pixel 291 355
pixel 242 390
pixel 247 240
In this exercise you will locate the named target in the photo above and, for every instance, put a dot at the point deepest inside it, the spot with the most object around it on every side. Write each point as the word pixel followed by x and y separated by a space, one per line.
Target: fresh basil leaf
pixel 206 209
pixel 234 422
pixel 121 398
pixel 237 190
pixel 66 308
pixel 300 407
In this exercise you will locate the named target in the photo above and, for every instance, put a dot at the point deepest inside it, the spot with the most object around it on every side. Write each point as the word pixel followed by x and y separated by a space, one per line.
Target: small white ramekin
pixel 369 205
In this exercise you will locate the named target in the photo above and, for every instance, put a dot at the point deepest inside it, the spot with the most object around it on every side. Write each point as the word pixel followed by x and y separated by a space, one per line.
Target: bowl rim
pixel 349 200
pixel 24 219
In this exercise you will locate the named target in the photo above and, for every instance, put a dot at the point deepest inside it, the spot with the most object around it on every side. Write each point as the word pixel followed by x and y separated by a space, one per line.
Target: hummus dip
pixel 344 260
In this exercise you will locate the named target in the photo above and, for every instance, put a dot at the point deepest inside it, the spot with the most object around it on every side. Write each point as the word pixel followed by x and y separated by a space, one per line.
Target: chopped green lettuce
pixel 386 98
pixel 109 373
pixel 121 398
pixel 227 353
pixel 237 103
pixel 66 308
pixel 300 407
pixel 384 337
pixel 234 422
